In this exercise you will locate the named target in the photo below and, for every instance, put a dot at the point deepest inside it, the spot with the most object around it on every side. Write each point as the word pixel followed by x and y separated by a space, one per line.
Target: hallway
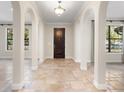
pixel 65 75
pixel 60 75
pixel 33 33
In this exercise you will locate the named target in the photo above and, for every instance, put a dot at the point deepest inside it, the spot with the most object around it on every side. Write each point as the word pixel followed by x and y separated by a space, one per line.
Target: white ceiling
pixel 115 10
pixel 47 9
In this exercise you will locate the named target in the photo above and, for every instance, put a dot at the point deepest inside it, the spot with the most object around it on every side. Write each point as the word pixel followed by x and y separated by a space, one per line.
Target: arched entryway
pixel 34 36
pixel 94 9
pixel 87 38
pixel 19 28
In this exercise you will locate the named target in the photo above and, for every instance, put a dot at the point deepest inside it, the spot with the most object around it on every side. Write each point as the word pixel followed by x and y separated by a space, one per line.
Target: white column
pixel 34 45
pixel 18 49
pixel 99 68
pixel 41 42
pixel 83 48
pixel 84 44
pixel 77 43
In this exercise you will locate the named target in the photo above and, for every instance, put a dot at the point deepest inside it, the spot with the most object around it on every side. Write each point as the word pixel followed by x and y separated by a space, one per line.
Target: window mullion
pixel 109 38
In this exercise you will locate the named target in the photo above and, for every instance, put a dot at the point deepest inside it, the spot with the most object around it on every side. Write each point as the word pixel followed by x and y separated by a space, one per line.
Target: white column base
pixel 40 61
pixel 77 60
pixel 83 66
pixel 34 67
pixel 100 86
pixel 17 86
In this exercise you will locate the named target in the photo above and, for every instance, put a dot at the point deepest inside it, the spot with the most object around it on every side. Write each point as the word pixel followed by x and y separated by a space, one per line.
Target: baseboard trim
pixel 17 86
pixel 41 61
pixel 100 86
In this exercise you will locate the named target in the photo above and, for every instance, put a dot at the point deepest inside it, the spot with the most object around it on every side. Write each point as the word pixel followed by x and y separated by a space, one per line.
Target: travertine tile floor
pixel 63 75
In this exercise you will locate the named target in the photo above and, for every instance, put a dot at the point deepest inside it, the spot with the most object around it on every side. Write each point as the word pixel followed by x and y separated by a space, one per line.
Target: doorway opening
pixel 59 42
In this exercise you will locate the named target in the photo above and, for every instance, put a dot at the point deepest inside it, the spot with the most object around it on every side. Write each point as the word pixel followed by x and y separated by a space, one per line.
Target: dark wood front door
pixel 59 42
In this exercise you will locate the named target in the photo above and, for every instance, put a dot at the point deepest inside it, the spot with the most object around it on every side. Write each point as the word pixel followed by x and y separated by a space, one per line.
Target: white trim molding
pixel 100 86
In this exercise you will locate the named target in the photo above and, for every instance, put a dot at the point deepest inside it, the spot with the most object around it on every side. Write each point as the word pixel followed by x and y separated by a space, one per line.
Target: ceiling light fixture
pixel 59 10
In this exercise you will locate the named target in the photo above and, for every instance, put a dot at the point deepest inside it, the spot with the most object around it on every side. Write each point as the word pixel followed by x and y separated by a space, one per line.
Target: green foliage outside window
pixel 26 38
pixel 114 38
pixel 10 38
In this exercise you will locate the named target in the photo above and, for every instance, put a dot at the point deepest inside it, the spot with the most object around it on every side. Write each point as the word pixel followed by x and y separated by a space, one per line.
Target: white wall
pixel 49 39
pixel 7 54
pixel 84 39
pixel 88 40
pixel 114 57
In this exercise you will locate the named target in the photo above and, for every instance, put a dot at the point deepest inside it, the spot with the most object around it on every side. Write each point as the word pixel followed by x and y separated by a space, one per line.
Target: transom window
pixel 10 38
pixel 114 38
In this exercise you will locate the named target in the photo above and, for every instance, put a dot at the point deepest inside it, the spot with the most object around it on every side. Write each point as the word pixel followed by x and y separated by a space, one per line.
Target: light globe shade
pixel 59 10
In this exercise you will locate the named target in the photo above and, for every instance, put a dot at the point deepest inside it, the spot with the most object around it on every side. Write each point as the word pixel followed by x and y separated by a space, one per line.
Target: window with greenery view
pixel 26 38
pixel 114 38
pixel 10 38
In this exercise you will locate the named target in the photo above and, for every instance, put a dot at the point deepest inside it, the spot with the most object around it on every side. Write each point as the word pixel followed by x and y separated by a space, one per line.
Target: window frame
pixel 27 27
pixel 115 24
pixel 6 39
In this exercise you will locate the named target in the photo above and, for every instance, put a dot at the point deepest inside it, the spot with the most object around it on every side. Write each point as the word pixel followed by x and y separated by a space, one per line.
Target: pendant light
pixel 59 10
